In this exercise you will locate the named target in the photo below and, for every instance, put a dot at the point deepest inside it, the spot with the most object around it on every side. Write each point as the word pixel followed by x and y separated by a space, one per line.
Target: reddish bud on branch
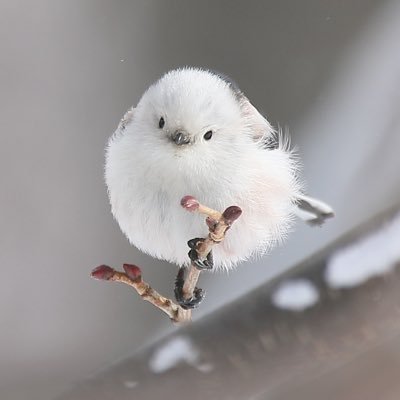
pixel 211 223
pixel 190 203
pixel 231 214
pixel 133 271
pixel 102 272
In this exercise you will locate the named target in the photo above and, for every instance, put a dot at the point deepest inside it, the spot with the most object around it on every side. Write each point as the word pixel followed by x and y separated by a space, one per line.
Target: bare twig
pixel 133 277
pixel 217 223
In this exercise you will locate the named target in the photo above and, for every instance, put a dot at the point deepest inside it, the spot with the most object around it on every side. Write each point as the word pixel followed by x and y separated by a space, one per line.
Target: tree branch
pixel 217 223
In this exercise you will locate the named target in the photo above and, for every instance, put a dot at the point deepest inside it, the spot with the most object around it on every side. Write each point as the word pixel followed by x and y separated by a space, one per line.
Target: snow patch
pixel 130 384
pixel 205 367
pixel 177 350
pixel 295 295
pixel 371 256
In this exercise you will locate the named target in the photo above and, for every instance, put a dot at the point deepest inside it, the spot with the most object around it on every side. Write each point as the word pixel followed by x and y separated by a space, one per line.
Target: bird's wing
pixel 313 211
pixel 261 128
pixel 126 119
pixel 123 123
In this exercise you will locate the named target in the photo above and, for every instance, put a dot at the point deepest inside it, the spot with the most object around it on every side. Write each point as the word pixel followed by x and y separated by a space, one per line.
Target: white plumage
pixel 244 163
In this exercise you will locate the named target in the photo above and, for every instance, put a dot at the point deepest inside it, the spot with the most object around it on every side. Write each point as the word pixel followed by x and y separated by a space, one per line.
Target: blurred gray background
pixel 327 70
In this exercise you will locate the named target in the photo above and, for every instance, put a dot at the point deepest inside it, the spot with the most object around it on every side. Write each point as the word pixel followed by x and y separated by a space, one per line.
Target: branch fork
pixel 218 224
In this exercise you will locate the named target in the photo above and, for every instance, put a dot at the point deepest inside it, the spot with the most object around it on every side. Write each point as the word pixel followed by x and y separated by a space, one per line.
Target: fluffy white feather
pixel 147 173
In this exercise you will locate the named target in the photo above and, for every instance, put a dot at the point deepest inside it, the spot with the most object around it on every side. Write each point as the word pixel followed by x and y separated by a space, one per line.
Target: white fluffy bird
pixel 195 133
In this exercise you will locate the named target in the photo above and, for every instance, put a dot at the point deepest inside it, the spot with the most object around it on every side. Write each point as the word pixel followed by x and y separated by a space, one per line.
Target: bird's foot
pixel 192 302
pixel 200 264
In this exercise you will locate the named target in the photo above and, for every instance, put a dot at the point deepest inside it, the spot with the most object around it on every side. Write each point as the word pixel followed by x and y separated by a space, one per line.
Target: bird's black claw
pixel 200 264
pixel 194 301
pixel 192 243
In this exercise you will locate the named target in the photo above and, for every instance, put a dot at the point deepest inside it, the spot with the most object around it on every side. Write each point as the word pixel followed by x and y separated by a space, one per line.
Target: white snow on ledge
pixel 130 384
pixel 175 351
pixel 295 295
pixel 373 255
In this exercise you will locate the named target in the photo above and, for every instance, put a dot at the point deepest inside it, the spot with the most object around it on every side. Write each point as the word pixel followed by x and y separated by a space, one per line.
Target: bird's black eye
pixel 161 123
pixel 208 135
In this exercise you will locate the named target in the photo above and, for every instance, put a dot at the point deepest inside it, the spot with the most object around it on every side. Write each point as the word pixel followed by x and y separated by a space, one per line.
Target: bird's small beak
pixel 180 138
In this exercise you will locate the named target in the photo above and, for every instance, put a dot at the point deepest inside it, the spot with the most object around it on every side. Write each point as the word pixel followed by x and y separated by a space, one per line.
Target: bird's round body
pixel 194 133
